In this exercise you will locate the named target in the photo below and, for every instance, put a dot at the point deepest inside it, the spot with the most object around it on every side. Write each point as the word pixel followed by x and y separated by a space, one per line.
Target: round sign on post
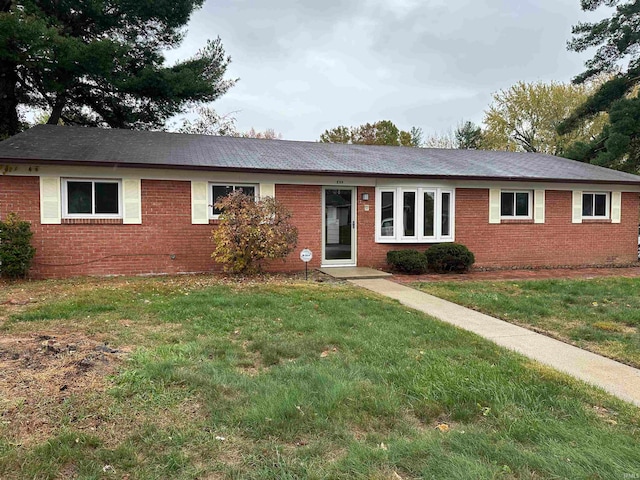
pixel 306 256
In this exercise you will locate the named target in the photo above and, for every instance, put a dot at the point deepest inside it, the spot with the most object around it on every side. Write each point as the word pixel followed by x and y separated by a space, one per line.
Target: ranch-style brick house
pixel 105 202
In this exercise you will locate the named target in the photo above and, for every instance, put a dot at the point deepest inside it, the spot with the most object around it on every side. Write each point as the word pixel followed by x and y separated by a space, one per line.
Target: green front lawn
pixel 601 315
pixel 282 381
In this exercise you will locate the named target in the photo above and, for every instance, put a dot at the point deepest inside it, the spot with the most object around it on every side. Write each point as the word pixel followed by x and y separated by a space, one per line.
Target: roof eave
pixel 81 163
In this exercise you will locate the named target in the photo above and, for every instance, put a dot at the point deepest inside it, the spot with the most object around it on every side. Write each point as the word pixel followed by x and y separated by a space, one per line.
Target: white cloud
pixel 306 66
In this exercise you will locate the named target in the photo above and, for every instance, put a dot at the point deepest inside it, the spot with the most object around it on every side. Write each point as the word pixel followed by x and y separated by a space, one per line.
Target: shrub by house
pixel 250 231
pixel 407 261
pixel 16 251
pixel 449 257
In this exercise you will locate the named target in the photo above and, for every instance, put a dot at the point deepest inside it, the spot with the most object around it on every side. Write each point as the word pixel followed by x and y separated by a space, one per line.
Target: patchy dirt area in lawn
pixel 48 374
pixel 39 372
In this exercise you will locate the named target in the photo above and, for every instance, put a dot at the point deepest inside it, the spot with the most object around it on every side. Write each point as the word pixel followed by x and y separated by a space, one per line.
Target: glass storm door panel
pixel 339 226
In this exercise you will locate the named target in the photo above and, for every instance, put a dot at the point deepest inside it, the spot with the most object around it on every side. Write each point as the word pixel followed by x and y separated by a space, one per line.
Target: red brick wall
pixel 108 248
pixel 104 249
pixel 305 203
pixel 556 242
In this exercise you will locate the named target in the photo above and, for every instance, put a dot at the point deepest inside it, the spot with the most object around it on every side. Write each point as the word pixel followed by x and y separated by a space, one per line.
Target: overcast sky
pixel 309 65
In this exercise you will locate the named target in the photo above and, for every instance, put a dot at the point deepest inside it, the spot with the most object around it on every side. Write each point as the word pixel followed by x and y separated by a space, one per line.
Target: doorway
pixel 338 226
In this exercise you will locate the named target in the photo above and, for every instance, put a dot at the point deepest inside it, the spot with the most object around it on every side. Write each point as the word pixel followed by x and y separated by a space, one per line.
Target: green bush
pixel 16 251
pixel 449 257
pixel 407 261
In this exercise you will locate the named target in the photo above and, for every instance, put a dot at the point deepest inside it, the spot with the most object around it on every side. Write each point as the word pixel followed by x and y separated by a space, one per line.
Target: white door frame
pixel 350 262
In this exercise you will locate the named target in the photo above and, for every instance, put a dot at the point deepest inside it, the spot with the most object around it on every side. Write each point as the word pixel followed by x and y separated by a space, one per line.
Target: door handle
pixel 353 224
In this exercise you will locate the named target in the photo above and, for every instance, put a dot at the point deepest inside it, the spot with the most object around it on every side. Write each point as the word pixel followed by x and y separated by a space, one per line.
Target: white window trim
pixel 607 206
pixel 398 215
pixel 65 199
pixel 213 216
pixel 516 216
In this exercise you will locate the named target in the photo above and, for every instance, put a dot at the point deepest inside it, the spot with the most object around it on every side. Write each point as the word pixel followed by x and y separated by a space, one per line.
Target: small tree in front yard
pixel 16 251
pixel 251 231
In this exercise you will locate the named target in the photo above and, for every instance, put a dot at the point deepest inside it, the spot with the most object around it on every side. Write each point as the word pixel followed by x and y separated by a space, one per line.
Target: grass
pixel 287 381
pixel 601 315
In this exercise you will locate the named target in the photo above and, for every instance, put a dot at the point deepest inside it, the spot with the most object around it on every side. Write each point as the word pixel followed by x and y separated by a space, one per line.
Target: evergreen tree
pixel 617 40
pixel 100 62
pixel 468 136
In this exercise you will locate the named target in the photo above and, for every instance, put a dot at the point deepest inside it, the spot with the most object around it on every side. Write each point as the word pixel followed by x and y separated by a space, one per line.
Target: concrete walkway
pixel 614 377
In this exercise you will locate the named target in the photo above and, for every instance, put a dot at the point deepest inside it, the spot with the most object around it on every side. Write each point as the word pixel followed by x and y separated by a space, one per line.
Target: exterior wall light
pixel 365 197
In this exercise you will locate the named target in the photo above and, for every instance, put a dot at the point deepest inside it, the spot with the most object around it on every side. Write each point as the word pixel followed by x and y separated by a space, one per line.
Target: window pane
pixel 106 198
pixel 386 214
pixel 601 205
pixel 250 191
pixel 409 214
pixel 220 191
pixel 446 212
pixel 522 204
pixel 587 204
pixel 79 197
pixel 429 205
pixel 506 204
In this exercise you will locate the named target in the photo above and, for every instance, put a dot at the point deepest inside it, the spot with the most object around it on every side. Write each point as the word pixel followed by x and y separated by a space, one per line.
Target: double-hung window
pixel 515 204
pixel 595 205
pixel 84 198
pixel 221 191
pixel 414 214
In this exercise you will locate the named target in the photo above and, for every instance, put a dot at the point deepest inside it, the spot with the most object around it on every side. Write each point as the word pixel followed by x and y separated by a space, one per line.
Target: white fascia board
pixel 193 175
pixel 413 182
pixel 298 179
pixel 598 187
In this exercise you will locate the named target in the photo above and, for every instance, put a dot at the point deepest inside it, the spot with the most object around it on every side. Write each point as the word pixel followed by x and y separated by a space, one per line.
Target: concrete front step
pixel 352 273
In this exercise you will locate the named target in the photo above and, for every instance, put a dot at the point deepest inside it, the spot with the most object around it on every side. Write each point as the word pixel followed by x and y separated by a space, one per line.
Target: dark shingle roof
pixel 93 146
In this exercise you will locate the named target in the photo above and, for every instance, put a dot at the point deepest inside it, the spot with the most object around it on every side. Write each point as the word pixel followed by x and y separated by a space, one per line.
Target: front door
pixel 339 226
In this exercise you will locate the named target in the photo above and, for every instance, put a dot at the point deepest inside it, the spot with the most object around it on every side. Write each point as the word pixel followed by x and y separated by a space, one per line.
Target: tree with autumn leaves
pixel 525 117
pixel 383 132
